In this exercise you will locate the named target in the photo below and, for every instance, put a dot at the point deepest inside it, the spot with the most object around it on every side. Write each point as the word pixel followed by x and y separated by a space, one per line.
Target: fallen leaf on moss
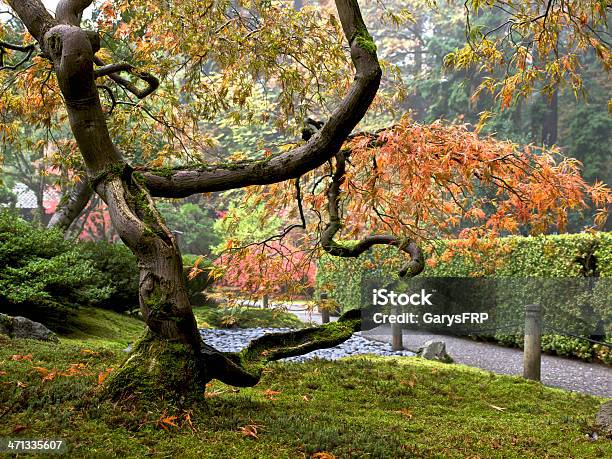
pixel 405 412
pixel 323 455
pixel 103 375
pixel 250 430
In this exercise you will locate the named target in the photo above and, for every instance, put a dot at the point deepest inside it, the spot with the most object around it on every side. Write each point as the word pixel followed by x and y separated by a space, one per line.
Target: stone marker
pixel 434 350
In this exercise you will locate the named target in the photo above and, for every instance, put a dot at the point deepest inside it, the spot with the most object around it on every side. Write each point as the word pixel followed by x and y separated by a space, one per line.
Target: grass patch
pixel 99 327
pixel 245 317
pixel 357 407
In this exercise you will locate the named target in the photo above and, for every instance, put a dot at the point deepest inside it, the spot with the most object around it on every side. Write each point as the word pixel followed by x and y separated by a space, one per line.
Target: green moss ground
pixel 99 327
pixel 357 407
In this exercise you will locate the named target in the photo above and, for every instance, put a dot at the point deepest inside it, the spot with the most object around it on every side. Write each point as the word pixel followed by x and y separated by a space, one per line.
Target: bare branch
pixel 27 49
pixel 112 71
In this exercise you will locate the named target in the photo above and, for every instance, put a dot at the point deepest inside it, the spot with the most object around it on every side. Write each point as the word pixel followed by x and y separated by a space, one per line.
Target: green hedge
pixel 41 274
pixel 560 256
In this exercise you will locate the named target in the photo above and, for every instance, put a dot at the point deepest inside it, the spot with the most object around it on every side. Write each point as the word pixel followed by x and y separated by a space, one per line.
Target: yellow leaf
pixel 498 408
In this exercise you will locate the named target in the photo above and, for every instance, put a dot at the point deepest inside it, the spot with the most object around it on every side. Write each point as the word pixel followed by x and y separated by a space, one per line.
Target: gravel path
pixel 569 374
pixel 236 339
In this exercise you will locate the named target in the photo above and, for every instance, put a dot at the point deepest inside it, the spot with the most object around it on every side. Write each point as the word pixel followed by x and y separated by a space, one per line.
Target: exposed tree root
pixel 162 370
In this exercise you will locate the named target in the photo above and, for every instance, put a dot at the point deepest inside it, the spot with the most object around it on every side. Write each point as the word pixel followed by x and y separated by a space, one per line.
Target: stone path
pixel 569 374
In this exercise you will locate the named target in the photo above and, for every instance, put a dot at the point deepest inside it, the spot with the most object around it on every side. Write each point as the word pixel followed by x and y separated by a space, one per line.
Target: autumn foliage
pixel 427 182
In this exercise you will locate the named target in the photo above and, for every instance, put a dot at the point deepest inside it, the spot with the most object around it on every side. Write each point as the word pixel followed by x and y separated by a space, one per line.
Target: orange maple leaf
pixel 103 375
pixel 323 455
pixel 163 422
pixel 269 393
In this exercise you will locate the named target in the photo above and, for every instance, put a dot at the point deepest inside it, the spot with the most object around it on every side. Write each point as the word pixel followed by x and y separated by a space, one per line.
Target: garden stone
pixel 24 328
pixel 603 418
pixel 434 350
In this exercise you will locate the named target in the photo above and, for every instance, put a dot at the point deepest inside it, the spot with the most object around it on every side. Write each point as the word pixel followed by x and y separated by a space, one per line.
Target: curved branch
pixel 322 146
pixel 412 268
pixel 71 11
pixel 112 70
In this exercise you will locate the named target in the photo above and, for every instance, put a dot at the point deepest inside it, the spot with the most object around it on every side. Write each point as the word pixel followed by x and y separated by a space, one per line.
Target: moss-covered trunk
pixel 167 362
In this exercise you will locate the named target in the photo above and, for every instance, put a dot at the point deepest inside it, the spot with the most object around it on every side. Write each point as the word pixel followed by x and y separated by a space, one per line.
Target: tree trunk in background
pixel 551 120
pixel 70 206
pixel 416 101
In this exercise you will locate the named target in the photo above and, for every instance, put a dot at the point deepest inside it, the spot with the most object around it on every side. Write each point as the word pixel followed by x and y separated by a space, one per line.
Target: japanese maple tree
pixel 411 181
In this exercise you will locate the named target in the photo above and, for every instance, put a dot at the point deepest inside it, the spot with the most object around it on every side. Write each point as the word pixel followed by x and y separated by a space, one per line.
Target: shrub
pixel 117 269
pixel 41 273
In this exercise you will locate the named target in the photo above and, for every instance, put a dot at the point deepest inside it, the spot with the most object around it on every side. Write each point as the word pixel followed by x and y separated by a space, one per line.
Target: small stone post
pixel 532 351
pixel 396 332
pixel 323 308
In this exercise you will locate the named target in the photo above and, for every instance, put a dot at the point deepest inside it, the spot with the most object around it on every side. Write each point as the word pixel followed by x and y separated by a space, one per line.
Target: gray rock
pixel 434 350
pixel 603 418
pixel 27 329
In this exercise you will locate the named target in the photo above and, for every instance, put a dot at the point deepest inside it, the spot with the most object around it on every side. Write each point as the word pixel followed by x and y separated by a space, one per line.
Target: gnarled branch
pixel 182 182
pixel 244 368
pixel 411 269
pixel 112 71
pixel 34 16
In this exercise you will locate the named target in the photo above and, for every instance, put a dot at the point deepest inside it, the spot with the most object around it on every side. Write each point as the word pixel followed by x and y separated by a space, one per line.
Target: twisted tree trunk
pixel 171 361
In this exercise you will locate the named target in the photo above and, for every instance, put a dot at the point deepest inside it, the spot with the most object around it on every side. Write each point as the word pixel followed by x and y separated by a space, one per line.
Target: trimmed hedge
pixel 559 256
